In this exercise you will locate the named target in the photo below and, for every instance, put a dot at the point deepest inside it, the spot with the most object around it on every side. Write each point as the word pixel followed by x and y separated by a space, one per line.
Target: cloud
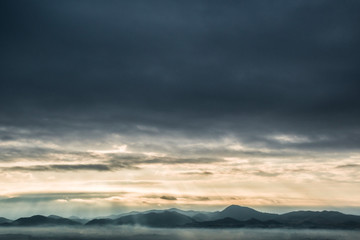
pixel 266 174
pixel 85 161
pixel 202 199
pixel 172 160
pixel 350 165
pixel 170 198
pixel 46 197
pixel 204 173
pixel 199 69
pixel 61 167
pixel 191 199
pixel 15 153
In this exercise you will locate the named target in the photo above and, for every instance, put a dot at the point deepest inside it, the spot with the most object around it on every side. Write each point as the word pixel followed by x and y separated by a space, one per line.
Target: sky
pixel 111 106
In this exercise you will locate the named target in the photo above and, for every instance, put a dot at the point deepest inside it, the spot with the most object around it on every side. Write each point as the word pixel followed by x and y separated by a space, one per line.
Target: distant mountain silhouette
pixel 233 223
pixel 220 223
pixel 152 219
pixel 4 220
pixel 201 217
pixel 233 211
pixel 115 216
pixel 55 217
pixel 231 217
pixel 189 213
pixel 242 214
pixel 316 219
pixel 38 220
pixel 79 220
pixel 101 221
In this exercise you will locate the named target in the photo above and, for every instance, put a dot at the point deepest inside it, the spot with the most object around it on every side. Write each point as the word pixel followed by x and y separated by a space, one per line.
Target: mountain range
pixel 231 217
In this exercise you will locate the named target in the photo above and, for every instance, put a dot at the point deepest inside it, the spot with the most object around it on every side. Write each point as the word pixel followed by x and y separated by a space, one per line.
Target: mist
pixel 138 233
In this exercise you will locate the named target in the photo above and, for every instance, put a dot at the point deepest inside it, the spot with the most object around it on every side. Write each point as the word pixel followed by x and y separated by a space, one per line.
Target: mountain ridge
pixel 233 216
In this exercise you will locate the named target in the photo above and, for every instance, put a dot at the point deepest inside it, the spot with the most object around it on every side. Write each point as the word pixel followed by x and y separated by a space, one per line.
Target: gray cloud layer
pixel 199 68
pixel 77 161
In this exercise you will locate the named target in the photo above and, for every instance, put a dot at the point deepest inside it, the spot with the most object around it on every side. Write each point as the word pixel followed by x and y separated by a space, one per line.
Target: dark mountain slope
pixel 323 219
pixel 231 217
pixel 38 220
pixel 243 214
pixel 4 220
pixel 152 219
pixel 233 223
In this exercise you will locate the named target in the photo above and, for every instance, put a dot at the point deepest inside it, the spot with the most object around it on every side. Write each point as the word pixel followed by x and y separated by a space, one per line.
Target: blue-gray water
pixel 139 233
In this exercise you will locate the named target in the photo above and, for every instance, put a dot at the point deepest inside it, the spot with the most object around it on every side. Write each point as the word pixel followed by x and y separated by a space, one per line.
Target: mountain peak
pixel 233 207
pixel 238 208
pixel 55 217
pixel 243 213
pixel 174 209
pixel 233 216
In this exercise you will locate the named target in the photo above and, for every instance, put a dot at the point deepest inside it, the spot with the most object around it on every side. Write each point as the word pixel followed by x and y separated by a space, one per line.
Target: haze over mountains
pixel 231 217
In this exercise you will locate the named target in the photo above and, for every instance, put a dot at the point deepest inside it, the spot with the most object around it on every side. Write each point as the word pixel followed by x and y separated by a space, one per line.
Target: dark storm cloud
pixel 202 68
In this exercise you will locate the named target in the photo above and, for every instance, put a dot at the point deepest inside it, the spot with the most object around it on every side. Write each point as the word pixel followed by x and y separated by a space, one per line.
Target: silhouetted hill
pixel 55 217
pixel 231 217
pixel 323 219
pixel 115 216
pixel 79 220
pixel 4 220
pixel 152 219
pixel 165 219
pixel 220 223
pixel 233 223
pixel 201 217
pixel 242 214
pixel 101 221
pixel 38 220
pixel 189 213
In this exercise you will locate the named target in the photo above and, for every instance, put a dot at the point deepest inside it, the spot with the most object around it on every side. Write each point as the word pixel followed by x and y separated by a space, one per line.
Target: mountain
pixel 233 223
pixel 242 214
pixel 201 217
pixel 220 223
pixel 115 216
pixel 231 217
pixel 164 219
pixel 152 219
pixel 101 221
pixel 38 220
pixel 4 220
pixel 316 219
pixel 189 213
pixel 79 220
pixel 55 217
